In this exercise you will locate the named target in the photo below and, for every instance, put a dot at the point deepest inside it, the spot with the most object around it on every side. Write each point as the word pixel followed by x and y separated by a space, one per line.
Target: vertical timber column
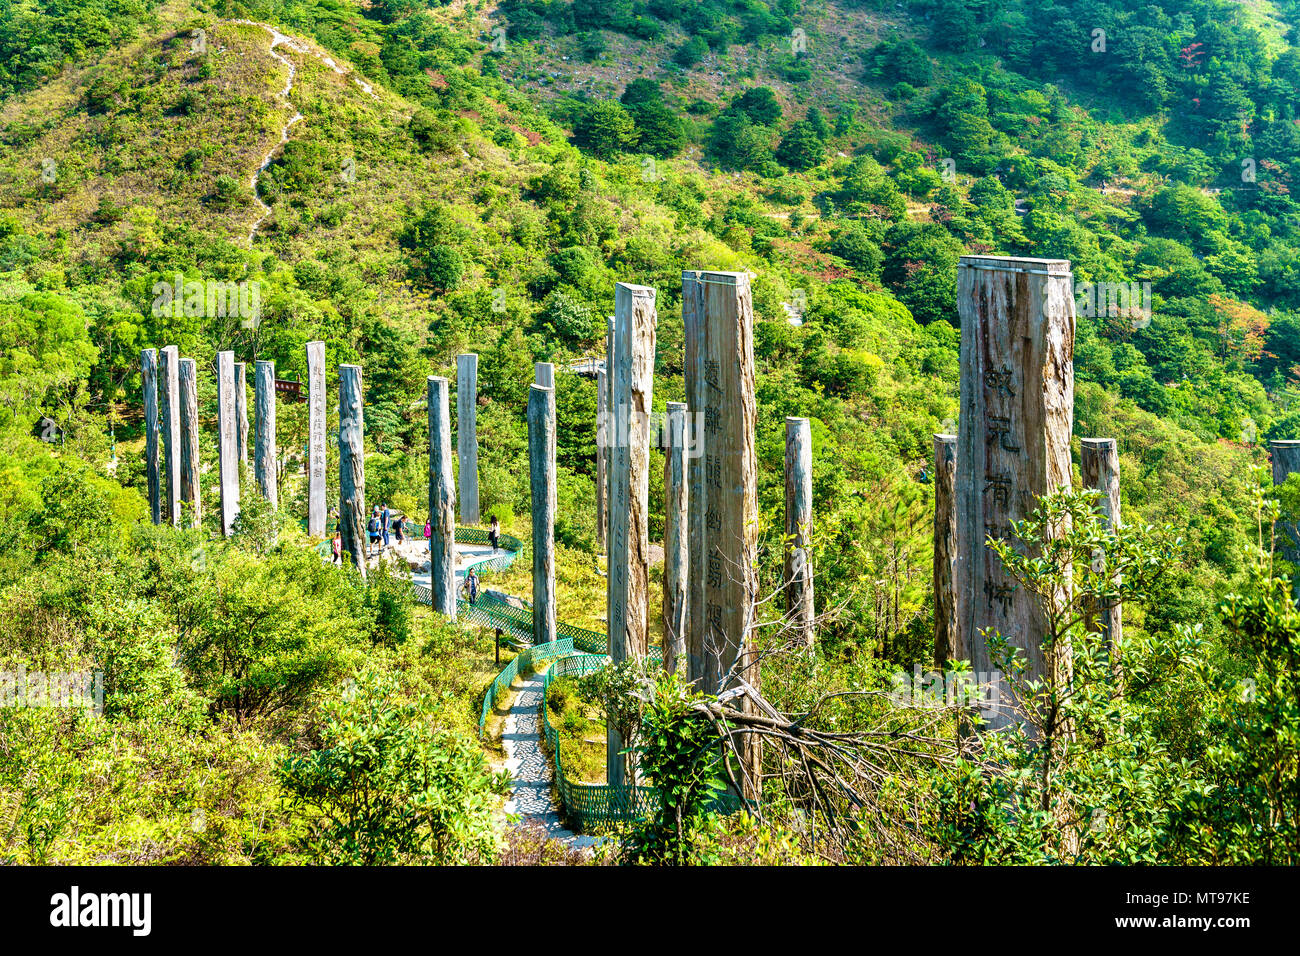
pixel 677 552
pixel 442 500
pixel 602 453
pixel 947 645
pixel 467 435
pixel 1099 470
pixel 720 379
pixel 1013 443
pixel 352 466
pixel 189 388
pixel 149 383
pixel 316 439
pixel 606 384
pixel 228 441
pixel 798 529
pixel 241 408
pixel 1286 461
pixel 265 452
pixel 169 373
pixel 693 325
pixel 629 490
pixel 541 473
pixel 544 374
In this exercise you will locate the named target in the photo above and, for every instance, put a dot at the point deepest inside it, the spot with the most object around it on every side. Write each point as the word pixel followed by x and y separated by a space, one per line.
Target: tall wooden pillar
pixel 228 441
pixel 1286 461
pixel 316 439
pixel 169 374
pixel 1017 407
pixel 1099 470
pixel 602 455
pixel 442 500
pixel 677 551
pixel 798 530
pixel 544 374
pixel 265 452
pixel 629 489
pixel 693 342
pixel 189 389
pixel 541 474
pixel 718 311
pixel 149 383
pixel 241 409
pixel 947 640
pixel 467 435
pixel 352 467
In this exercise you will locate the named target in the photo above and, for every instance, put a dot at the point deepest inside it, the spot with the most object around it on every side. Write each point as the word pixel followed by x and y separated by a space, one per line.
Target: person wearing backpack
pixel 373 527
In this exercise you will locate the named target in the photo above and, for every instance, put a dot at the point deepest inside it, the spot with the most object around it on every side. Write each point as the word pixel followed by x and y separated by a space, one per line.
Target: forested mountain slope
pixel 471 177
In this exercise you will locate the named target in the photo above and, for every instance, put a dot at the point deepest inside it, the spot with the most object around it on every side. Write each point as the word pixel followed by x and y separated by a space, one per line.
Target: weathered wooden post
pixel 544 374
pixel 798 529
pixel 241 409
pixel 718 312
pixel 629 491
pixel 947 642
pixel 316 439
pixel 189 388
pixel 1013 445
pixel 352 467
pixel 264 453
pixel 467 435
pixel 602 455
pixel 1099 470
pixel 442 500
pixel 677 561
pixel 169 372
pixel 149 383
pixel 1286 461
pixel 611 423
pixel 541 473
pixel 228 441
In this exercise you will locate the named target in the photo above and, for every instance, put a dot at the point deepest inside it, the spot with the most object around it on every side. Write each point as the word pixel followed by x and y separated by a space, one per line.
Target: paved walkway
pixel 530 765
pixel 466 554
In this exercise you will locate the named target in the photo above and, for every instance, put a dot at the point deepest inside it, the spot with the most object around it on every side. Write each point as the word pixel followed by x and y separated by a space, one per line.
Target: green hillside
pixel 469 177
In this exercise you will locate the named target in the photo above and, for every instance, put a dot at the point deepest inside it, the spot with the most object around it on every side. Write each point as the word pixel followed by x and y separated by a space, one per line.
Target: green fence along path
pixel 577 651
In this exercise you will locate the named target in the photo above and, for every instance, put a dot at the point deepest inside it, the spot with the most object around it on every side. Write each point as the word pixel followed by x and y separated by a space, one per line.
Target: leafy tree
pixel 680 754
pixel 387 785
pixel 659 129
pixel 854 245
pixel 760 105
pixel 801 148
pixel 691 52
pixel 443 267
pixel 605 129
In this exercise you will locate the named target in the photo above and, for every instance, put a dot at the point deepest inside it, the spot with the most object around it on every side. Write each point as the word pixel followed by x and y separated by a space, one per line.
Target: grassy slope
pixel 322 217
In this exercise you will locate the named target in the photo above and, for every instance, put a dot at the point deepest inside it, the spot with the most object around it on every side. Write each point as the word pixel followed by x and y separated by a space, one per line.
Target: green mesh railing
pixel 592 806
pixel 525 660
pixel 576 651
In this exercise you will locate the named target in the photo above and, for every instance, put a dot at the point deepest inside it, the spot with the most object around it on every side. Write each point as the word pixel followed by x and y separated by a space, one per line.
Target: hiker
pixel 471 587
pixel 384 519
pixel 338 547
pixel 373 527
pixel 397 531
pixel 495 534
